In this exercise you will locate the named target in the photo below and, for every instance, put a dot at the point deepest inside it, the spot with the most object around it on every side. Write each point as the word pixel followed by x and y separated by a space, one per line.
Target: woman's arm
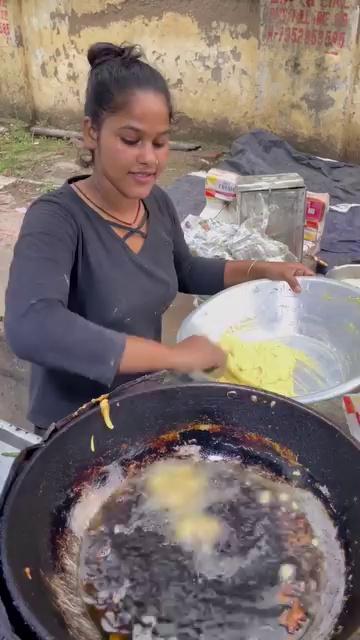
pixel 39 326
pixel 41 329
pixel 193 354
pixel 243 271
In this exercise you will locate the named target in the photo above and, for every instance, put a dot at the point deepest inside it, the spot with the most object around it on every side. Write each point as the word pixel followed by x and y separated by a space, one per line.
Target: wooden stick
pixel 56 133
pixel 64 134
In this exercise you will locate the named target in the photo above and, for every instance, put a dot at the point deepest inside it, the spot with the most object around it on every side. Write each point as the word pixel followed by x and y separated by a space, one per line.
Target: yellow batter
pixel 180 488
pixel 177 486
pixel 199 529
pixel 268 364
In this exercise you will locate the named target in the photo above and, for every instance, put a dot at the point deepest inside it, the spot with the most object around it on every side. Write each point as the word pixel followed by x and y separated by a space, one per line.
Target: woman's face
pixel 131 148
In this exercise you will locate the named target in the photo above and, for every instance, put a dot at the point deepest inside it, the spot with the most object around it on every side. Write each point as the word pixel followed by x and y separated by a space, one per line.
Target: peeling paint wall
pixel 351 146
pixel 306 78
pixel 15 93
pixel 292 66
pixel 198 53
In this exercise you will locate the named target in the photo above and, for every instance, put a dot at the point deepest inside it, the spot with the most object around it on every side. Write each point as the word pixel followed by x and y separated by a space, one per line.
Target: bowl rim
pixel 329 394
pixel 334 272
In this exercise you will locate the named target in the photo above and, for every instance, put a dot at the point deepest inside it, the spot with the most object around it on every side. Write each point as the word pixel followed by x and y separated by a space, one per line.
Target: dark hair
pixel 116 72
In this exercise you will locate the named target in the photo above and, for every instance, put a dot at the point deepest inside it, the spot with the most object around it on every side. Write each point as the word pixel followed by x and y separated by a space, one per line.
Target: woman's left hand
pixel 286 271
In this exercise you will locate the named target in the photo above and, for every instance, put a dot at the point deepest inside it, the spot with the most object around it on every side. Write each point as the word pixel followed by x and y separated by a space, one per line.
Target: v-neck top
pixel 76 290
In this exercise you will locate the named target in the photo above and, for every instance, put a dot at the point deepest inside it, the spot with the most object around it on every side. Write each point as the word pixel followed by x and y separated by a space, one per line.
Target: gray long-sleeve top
pixel 76 290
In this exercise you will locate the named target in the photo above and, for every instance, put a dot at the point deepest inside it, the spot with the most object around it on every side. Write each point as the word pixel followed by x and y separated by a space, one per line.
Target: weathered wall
pixel 307 70
pixel 288 65
pixel 198 55
pixel 15 93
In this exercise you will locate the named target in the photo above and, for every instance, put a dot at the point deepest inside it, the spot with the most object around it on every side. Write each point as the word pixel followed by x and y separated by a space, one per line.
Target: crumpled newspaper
pixel 247 241
pixel 217 238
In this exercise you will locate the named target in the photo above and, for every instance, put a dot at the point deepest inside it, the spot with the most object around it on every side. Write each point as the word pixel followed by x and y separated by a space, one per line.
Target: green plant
pixel 47 187
pixel 19 150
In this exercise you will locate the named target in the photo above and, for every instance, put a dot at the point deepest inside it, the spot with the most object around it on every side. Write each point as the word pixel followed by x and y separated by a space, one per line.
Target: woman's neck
pixel 103 193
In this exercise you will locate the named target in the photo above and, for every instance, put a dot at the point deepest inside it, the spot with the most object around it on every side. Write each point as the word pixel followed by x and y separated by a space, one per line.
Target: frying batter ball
pixel 177 486
pixel 198 530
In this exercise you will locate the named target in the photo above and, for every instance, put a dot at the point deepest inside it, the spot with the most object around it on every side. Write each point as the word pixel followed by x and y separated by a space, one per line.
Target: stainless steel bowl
pixel 323 322
pixel 345 272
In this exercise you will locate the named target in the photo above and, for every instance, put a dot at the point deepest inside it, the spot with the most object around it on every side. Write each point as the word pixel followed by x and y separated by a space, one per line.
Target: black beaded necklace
pixel 120 224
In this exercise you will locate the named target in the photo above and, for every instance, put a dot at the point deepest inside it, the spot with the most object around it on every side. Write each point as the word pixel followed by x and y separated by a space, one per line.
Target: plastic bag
pixel 247 241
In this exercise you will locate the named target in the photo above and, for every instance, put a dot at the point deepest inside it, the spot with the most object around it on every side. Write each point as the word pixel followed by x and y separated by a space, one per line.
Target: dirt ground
pixel 30 167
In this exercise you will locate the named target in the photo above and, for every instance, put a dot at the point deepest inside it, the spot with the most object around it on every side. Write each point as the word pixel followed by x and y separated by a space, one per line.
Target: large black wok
pixel 47 480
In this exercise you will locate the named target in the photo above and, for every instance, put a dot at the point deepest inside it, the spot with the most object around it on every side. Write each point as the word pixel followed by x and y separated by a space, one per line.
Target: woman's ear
pixel 90 135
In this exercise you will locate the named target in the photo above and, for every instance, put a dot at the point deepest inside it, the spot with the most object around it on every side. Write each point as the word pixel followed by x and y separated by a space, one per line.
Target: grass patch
pixel 48 187
pixel 20 151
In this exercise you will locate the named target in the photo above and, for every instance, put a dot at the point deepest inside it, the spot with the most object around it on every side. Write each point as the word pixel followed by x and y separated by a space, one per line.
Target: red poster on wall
pixel 4 23
pixel 322 24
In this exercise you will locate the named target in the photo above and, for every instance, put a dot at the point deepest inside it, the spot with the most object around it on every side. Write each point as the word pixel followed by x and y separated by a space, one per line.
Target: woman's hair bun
pixel 102 52
pixel 117 72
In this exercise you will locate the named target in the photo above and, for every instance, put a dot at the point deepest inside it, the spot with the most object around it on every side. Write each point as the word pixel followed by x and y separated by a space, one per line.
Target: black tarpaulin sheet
pixel 262 152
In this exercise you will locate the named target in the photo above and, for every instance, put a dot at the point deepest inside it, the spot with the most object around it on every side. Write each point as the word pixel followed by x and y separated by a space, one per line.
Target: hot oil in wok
pixel 258 574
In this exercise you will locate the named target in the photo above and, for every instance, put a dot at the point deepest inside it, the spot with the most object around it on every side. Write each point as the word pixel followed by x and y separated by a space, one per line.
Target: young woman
pixel 100 260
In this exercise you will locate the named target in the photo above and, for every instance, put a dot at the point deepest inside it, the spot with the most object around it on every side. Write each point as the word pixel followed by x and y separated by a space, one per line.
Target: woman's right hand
pixel 193 354
pixel 197 353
